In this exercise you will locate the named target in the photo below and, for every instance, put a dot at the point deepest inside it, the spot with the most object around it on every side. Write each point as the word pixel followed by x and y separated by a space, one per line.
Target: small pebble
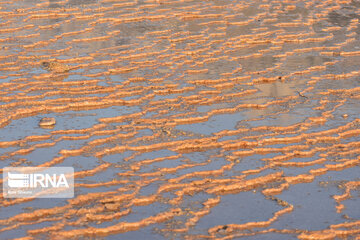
pixel 345 116
pixel 47 122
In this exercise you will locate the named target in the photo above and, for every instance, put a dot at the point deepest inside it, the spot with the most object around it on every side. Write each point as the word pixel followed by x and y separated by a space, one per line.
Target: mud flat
pixel 184 119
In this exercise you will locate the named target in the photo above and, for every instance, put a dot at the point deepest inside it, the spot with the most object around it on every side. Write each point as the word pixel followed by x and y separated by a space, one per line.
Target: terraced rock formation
pixel 184 119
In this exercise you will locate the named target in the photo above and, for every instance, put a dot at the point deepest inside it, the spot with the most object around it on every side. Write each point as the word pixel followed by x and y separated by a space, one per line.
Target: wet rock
pixel 47 122
pixel 56 67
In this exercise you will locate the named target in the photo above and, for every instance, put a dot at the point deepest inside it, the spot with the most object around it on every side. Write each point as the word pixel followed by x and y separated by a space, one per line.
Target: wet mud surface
pixel 184 119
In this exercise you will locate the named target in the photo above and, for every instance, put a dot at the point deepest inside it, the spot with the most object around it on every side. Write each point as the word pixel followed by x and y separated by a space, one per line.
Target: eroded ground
pixel 184 119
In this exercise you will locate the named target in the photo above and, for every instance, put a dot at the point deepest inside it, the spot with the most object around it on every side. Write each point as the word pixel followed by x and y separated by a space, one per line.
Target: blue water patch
pixel 239 209
pixel 215 124
pixel 314 209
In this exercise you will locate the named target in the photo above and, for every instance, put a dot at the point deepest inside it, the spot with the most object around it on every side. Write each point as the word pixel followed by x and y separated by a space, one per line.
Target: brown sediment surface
pixel 183 119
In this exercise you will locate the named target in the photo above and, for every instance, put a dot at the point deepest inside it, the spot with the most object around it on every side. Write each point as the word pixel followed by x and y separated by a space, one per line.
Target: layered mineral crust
pixel 169 108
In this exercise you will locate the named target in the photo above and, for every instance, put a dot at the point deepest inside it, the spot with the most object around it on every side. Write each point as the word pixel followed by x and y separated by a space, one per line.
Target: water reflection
pixel 172 111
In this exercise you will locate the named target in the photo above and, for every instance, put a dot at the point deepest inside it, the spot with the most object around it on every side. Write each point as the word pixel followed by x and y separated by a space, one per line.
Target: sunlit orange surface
pixel 183 119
